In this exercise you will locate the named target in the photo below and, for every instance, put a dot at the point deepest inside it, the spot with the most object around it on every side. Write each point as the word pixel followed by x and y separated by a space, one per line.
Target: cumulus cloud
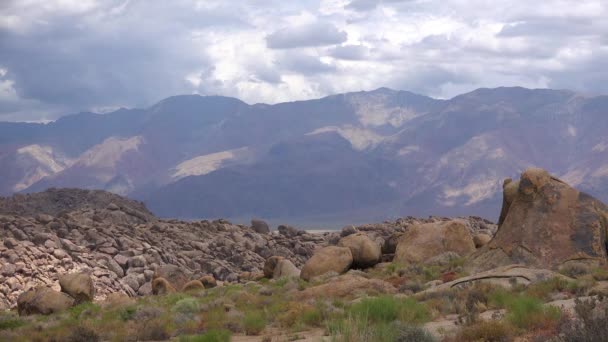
pixel 63 56
pixel 313 34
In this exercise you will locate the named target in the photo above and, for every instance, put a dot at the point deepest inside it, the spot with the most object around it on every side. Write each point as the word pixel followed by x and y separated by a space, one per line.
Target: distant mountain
pixel 354 157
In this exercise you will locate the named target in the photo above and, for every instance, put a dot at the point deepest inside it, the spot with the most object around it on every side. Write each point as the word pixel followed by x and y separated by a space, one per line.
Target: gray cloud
pixel 58 57
pixel 314 34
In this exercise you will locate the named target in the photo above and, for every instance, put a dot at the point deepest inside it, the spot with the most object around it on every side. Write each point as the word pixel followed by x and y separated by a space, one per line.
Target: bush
pixel 412 333
pixel 491 331
pixel 9 323
pixel 600 273
pixel 387 309
pixel 254 323
pixel 153 330
pixel 83 334
pixel 591 325
pixel 209 336
pixel 528 312
pixel 187 306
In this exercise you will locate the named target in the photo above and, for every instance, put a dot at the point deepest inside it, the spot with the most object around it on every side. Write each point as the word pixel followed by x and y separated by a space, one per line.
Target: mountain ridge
pixel 388 153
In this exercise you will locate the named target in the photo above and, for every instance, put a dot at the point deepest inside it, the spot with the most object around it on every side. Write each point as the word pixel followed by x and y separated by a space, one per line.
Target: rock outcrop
pixel 79 286
pixel 546 224
pixel 43 300
pixel 327 259
pixel 278 267
pixel 121 245
pixel 423 242
pixel 365 251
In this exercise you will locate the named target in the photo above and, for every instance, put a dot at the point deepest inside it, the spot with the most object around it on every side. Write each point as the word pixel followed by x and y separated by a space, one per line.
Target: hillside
pixel 347 158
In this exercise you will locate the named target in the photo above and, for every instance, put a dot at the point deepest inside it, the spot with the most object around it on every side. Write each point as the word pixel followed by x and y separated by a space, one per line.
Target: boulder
pixel 270 265
pixel 365 251
pixel 425 241
pixel 44 301
pixel 285 268
pixel 347 285
pixel 546 224
pixel 260 226
pixel 160 286
pixel 193 285
pixel 208 281
pixel 327 259
pixel 79 286
pixel 175 275
pixel 481 239
pixel 504 276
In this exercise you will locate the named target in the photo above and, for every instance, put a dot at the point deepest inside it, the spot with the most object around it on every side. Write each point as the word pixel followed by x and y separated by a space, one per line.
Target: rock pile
pixel 122 245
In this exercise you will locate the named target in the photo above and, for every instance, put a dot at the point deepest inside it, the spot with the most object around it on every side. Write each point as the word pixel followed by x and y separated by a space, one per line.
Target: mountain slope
pixel 359 156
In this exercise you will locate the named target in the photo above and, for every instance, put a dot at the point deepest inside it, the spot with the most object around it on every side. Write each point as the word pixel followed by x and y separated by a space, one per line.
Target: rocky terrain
pixel 121 243
pixel 115 272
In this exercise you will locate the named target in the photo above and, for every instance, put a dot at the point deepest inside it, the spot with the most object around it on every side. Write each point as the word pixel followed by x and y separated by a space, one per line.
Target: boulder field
pixel 126 249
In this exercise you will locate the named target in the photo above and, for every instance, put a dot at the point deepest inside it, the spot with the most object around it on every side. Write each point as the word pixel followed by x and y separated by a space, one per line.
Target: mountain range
pixel 348 158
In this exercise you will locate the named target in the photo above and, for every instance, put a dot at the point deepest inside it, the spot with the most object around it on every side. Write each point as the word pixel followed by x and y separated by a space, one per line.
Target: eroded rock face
pixel 366 253
pixel 43 300
pixel 327 259
pixel 546 224
pixel 423 242
pixel 347 285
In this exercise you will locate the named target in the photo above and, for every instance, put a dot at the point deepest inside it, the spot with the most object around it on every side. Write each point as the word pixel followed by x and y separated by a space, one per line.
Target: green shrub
pixel 186 306
pixel 354 329
pixel 254 323
pixel 84 309
pixel 83 333
pixel 412 333
pixel 9 323
pixel 528 312
pixel 490 331
pixel 127 314
pixel 209 336
pixel 388 309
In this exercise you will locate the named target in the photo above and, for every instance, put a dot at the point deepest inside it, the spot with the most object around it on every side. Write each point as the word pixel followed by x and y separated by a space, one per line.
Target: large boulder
pixel 546 224
pixel 425 241
pixel 260 226
pixel 79 286
pixel 347 285
pixel 277 267
pixel 175 275
pixel 365 251
pixel 327 259
pixel 44 301
pixel 160 286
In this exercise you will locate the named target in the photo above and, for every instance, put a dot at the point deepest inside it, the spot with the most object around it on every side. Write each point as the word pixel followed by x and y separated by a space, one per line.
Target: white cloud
pixel 63 56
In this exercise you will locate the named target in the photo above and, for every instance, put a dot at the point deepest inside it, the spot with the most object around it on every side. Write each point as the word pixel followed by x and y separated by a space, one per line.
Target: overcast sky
pixel 63 56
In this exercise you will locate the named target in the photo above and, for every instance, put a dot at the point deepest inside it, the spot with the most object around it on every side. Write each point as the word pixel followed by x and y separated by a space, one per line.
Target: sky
pixel 59 57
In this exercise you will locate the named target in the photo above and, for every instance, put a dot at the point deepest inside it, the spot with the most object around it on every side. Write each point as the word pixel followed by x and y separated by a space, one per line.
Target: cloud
pixel 63 56
pixel 313 34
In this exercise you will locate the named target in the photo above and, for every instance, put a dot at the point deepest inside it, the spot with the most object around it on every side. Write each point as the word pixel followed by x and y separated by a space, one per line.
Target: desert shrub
pixel 591 323
pixel 153 330
pixel 356 329
pixel 127 313
pixel 86 309
pixel 82 333
pixel 575 269
pixel 490 331
pixel 186 306
pixel 254 323
pixel 528 312
pixel 411 285
pixel 10 322
pixel 600 273
pixel 412 333
pixel 312 317
pixel 388 309
pixel 209 336
pixel 544 289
